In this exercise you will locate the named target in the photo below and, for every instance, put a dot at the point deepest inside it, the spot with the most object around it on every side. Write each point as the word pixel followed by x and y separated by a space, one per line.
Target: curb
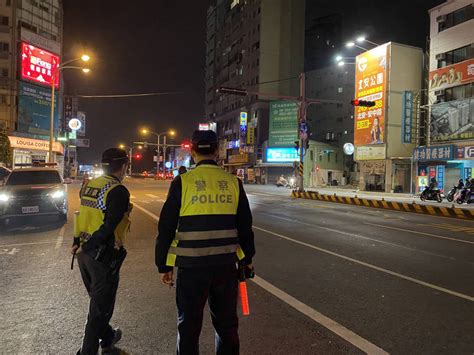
pixel 388 205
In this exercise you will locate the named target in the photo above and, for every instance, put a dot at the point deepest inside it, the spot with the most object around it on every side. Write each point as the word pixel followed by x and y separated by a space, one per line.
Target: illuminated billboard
pixel 282 155
pixel 370 85
pixel 39 65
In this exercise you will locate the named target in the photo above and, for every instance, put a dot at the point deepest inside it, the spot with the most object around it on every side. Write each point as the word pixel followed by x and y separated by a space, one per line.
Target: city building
pixel 332 123
pixel 390 75
pixel 30 50
pixel 449 151
pixel 258 46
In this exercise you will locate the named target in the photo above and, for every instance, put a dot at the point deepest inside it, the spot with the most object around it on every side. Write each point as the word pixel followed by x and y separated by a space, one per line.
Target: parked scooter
pixel 431 195
pixel 464 196
pixel 451 194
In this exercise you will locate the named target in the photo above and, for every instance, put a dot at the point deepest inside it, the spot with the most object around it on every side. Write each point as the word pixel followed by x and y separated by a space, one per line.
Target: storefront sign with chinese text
pixel 283 124
pixel 376 152
pixel 452 75
pixel 441 152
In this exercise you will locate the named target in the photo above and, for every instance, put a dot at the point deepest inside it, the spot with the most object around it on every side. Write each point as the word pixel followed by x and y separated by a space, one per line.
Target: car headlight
pixel 4 197
pixel 57 194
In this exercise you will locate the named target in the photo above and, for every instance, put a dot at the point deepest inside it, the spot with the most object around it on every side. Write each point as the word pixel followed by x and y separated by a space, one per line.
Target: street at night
pixel 331 279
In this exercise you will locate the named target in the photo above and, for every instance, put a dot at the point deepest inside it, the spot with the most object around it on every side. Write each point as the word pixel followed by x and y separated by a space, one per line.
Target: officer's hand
pixel 167 278
pixel 74 249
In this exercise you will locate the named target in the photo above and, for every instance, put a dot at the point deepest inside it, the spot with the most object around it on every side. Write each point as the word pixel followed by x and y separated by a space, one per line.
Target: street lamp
pixel 172 133
pixel 362 39
pixel 351 44
pixel 130 152
pixel 57 75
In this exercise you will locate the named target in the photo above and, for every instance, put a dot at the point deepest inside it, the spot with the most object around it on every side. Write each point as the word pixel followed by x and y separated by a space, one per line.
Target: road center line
pixel 371 266
pixel 320 318
pixel 59 241
pixel 360 236
pixel 144 210
pixel 421 233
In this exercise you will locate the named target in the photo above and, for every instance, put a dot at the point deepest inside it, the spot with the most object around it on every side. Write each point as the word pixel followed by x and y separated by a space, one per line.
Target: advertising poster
pixel 283 124
pixel 39 65
pixel 371 77
pixel 34 110
pixel 407 116
pixel 452 120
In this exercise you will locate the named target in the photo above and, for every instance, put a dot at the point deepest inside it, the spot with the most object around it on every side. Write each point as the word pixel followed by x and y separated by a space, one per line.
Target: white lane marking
pixel 13 251
pixel 326 322
pixel 371 266
pixel 421 233
pixel 151 195
pixel 23 244
pixel 152 215
pixel 361 237
pixel 320 318
pixel 59 241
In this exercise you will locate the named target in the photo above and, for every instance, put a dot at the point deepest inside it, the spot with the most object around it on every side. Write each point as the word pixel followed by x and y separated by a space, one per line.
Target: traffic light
pixel 364 103
pixel 232 91
pixel 297 145
pixel 138 156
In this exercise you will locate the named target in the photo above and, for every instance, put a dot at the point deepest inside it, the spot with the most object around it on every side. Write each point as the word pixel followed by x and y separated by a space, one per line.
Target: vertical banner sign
pixel 283 130
pixel 67 111
pixel 250 135
pixel 243 128
pixel 407 116
pixel 441 177
pixel 81 116
pixel 370 85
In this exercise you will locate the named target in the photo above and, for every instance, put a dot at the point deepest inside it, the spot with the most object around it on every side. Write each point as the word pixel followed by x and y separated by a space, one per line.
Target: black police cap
pixel 114 155
pixel 204 139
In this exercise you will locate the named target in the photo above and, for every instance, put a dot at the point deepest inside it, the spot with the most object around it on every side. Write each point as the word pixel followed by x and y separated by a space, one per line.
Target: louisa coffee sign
pixel 34 144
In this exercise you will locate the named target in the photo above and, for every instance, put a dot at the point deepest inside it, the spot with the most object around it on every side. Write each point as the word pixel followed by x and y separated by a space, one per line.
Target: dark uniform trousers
pixel 102 288
pixel 195 286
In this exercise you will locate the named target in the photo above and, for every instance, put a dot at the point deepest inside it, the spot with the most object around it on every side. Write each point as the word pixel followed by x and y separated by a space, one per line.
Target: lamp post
pixel 158 135
pixel 56 76
pixel 130 153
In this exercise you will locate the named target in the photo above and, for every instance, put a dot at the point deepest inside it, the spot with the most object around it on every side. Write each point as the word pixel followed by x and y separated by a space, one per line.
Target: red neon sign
pixel 39 65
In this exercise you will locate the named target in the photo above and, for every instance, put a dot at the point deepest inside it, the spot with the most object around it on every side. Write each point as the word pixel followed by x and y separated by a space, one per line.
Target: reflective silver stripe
pixel 225 249
pixel 84 236
pixel 219 234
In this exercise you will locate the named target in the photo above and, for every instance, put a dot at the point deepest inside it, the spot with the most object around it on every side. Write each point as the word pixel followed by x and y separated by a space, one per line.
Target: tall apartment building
pixel 30 48
pixel 449 153
pixel 252 45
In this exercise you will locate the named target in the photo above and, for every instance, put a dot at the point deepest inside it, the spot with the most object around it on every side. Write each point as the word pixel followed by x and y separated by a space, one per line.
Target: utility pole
pixel 302 136
pixel 164 154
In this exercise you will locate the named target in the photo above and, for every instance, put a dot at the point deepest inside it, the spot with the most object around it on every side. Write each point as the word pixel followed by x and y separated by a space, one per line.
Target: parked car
pixel 36 191
pixel 4 172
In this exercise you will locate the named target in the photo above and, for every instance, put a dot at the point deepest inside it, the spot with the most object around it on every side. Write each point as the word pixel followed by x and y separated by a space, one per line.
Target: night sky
pixel 159 46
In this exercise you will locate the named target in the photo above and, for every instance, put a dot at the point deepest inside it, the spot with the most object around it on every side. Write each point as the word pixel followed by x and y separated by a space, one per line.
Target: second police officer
pixel 205 228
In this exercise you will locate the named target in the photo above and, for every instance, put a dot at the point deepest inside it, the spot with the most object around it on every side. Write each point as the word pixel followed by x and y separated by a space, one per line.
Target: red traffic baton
pixel 244 273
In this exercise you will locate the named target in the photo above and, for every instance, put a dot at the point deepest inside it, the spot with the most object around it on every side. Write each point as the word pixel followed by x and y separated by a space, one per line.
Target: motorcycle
pixel 464 196
pixel 431 195
pixel 451 194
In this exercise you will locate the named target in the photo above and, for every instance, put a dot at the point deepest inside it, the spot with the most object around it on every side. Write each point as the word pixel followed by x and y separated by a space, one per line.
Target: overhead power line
pixel 129 95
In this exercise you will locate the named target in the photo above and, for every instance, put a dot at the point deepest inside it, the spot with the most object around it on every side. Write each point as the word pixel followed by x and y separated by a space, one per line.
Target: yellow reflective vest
pixel 207 233
pixel 92 211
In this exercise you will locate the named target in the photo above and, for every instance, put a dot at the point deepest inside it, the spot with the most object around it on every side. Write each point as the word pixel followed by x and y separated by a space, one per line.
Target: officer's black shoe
pixel 109 346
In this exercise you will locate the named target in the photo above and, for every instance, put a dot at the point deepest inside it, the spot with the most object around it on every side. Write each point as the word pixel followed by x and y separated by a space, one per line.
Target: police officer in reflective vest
pixel 99 235
pixel 205 228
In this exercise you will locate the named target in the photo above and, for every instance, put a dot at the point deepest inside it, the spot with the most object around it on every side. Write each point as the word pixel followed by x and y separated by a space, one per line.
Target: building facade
pixel 449 151
pixel 251 45
pixel 391 76
pixel 30 49
pixel 333 123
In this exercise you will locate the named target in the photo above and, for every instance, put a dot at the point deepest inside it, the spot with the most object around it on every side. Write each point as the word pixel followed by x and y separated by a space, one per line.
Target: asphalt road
pixel 332 279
